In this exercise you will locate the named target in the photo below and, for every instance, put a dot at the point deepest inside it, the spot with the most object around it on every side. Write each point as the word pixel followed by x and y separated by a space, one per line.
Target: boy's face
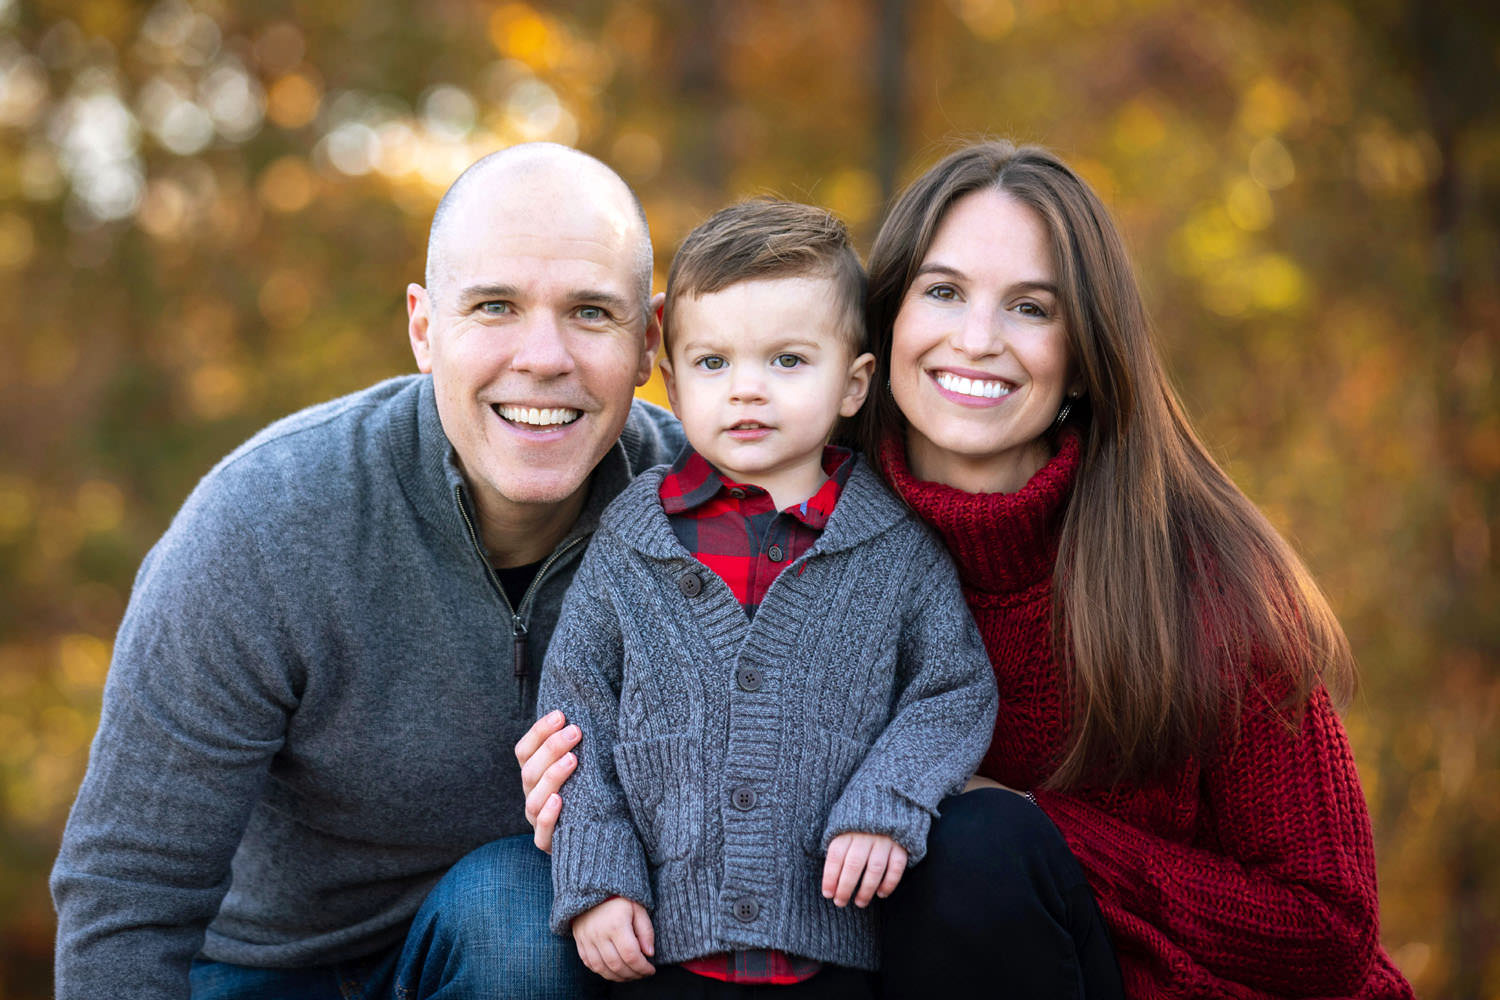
pixel 759 373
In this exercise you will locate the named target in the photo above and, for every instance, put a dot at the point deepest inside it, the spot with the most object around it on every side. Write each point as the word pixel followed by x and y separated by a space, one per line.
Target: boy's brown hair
pixel 769 238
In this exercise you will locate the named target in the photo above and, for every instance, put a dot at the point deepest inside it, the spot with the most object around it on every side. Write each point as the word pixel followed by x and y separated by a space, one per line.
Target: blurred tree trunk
pixel 890 95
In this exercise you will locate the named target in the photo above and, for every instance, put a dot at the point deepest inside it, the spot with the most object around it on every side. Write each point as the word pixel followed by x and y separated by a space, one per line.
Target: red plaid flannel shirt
pixel 734 530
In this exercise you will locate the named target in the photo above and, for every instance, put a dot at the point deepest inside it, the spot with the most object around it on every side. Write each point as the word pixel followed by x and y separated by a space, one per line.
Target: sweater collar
pixel 1001 542
pixel 865 509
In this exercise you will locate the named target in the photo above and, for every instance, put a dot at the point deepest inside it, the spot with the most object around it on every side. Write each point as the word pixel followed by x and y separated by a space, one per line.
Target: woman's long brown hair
pixel 1175 600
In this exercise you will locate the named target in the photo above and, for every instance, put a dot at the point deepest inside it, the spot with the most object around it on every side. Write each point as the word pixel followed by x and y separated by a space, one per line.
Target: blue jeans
pixel 481 934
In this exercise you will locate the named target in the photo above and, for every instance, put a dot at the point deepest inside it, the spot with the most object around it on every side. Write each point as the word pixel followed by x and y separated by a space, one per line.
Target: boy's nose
pixel 747 388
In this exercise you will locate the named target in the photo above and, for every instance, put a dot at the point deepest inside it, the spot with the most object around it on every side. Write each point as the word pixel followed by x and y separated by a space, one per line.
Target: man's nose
pixel 543 349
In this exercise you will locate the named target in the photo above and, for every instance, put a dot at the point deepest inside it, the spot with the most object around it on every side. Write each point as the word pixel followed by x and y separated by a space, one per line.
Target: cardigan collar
pixel 865 509
pixel 1001 542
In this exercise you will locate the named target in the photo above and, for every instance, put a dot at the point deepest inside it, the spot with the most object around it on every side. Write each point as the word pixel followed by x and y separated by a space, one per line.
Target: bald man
pixel 328 657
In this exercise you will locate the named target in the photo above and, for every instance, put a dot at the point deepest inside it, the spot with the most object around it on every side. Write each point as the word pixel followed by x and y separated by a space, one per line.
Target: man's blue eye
pixel 590 313
pixel 494 308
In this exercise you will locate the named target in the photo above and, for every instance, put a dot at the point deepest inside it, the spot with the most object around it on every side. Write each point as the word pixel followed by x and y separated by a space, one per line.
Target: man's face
pixel 535 336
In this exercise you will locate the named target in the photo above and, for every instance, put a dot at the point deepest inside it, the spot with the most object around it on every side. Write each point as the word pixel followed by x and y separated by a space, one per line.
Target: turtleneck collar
pixel 1002 542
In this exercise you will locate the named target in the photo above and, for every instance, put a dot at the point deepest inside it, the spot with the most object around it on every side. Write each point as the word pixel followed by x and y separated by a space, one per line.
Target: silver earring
pixel 1062 414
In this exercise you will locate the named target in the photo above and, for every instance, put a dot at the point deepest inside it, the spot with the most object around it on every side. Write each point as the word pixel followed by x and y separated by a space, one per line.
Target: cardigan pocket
pixel 657 776
pixel 828 762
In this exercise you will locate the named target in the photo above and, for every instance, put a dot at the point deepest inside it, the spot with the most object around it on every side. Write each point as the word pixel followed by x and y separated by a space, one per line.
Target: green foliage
pixel 209 212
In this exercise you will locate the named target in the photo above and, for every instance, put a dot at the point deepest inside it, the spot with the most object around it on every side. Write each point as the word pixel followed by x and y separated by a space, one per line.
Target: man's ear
pixel 858 386
pixel 653 338
pixel 417 325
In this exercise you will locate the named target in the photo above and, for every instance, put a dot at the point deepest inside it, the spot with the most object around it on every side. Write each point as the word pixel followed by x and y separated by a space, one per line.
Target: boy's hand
pixel 881 860
pixel 615 938
pixel 546 762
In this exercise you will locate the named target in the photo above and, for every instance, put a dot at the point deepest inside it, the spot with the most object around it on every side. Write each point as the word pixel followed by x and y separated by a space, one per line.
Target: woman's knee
pixel 993 857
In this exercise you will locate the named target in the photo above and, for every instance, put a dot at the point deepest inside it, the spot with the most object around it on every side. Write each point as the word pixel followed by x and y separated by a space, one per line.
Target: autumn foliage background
pixel 209 210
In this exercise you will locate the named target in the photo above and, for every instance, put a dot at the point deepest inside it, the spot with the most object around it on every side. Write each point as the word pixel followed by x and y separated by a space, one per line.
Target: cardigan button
pixel 743 799
pixel 746 909
pixel 690 583
pixel 748 678
pixel 776 553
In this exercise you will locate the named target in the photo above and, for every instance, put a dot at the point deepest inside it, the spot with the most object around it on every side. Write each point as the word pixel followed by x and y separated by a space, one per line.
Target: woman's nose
pixel 978 332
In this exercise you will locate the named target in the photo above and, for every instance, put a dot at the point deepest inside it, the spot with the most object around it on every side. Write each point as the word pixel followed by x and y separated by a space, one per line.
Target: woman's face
pixel 979 352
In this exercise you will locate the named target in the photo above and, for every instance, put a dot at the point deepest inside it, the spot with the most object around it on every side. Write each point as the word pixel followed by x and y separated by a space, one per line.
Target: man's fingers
pixel 535 765
pixel 854 864
pixel 880 854
pixel 550 784
pixel 546 823
pixel 893 871
pixel 644 932
pixel 537 735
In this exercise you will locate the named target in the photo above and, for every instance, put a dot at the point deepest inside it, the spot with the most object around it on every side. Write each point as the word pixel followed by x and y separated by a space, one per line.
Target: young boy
pixel 770 660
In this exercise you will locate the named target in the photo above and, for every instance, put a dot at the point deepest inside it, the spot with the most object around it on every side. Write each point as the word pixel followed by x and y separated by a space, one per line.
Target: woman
pixel 1167 669
pixel 1164 661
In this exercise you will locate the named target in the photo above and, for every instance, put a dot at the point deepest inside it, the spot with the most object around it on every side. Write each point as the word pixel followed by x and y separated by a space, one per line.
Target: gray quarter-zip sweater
pixel 312 703
pixel 720 754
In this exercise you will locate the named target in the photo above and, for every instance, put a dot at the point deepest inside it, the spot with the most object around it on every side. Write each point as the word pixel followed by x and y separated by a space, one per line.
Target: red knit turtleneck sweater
pixel 1252 875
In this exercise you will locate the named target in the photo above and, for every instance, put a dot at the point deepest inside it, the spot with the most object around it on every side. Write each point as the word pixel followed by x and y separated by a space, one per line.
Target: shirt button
pixel 775 553
pixel 748 678
pixel 690 583
pixel 743 799
pixel 737 493
pixel 746 909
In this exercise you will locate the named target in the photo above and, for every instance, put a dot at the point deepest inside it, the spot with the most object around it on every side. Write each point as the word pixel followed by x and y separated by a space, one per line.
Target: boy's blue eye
pixel 786 361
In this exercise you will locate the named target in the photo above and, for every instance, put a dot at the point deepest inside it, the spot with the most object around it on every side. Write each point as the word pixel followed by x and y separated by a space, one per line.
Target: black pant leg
pixel 998 907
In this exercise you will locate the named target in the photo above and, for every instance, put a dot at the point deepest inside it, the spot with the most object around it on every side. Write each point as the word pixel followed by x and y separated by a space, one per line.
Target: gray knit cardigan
pixel 720 755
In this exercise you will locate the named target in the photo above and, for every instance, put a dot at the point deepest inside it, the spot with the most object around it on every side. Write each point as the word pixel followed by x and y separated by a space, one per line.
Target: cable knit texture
pixel 1251 875
pixel 720 755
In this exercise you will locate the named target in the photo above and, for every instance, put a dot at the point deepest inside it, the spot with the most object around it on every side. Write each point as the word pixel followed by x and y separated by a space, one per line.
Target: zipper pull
pixel 519 668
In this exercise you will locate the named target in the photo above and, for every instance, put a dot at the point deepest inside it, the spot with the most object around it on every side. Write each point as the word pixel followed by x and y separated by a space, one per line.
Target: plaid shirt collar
pixel 692 481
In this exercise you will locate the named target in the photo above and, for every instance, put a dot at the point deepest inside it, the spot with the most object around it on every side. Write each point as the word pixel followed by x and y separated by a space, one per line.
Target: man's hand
pixel 615 939
pixel 879 859
pixel 546 762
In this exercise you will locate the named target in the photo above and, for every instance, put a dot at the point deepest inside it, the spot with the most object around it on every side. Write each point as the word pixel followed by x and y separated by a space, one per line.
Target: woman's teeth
pixel 534 417
pixel 982 388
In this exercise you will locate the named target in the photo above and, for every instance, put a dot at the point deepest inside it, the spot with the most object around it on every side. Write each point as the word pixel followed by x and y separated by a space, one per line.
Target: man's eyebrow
pixel 481 293
pixel 618 303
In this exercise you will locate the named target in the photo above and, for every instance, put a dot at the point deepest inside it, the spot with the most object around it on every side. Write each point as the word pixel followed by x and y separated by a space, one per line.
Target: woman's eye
pixel 712 363
pixel 786 361
pixel 1031 309
pixel 945 292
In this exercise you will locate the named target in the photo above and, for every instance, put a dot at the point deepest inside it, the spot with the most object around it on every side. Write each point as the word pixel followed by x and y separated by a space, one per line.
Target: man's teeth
pixel 983 388
pixel 539 418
